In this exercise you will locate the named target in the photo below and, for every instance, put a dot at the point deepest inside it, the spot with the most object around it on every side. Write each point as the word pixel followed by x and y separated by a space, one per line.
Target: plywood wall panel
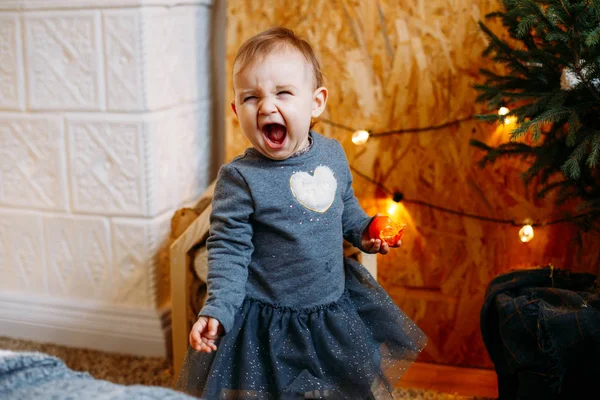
pixel 399 65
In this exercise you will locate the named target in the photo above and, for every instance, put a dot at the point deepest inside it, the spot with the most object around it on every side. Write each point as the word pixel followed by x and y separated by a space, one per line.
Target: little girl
pixel 287 317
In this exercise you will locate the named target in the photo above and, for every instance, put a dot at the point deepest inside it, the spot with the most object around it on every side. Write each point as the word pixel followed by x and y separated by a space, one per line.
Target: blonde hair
pixel 273 39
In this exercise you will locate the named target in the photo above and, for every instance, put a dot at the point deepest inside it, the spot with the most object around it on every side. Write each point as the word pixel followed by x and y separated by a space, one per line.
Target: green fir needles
pixel 552 86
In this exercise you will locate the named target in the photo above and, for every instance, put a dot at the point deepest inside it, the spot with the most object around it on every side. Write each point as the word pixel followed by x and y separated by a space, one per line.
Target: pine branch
pixel 571 167
pixel 501 48
pixel 547 117
pixel 565 184
pixel 592 38
pixel 594 156
pixel 552 87
pixel 574 126
pixel 505 150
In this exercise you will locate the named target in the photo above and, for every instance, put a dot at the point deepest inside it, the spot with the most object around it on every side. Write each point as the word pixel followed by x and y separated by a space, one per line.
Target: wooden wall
pixel 398 65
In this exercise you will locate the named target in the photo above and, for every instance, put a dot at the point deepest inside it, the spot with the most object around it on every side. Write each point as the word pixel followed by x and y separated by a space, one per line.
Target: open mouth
pixel 275 135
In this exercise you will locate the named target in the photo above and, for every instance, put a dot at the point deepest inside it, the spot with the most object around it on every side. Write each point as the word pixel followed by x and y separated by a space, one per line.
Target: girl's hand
pixel 376 246
pixel 372 246
pixel 204 334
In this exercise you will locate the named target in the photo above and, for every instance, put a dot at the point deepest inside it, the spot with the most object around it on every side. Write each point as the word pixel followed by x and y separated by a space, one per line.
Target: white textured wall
pixel 104 132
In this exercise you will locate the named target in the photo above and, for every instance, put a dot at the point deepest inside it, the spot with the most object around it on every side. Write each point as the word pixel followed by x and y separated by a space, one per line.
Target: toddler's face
pixel 274 102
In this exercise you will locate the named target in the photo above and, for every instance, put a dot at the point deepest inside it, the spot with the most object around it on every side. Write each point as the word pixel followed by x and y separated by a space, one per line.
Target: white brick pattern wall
pixel 124 64
pixel 11 63
pixel 32 161
pixel 22 238
pixel 79 256
pixel 64 60
pixel 104 132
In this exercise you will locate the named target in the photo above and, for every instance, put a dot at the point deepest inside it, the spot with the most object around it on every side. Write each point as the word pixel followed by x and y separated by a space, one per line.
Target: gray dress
pixel 300 321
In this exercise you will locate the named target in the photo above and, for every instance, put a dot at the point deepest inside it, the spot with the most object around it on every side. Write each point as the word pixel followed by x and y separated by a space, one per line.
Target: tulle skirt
pixel 357 347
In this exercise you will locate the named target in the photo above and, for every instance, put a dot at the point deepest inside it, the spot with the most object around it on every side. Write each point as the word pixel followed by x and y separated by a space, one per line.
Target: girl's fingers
pixel 205 349
pixel 204 346
pixel 385 248
pixel 197 345
pixel 397 244
pixel 208 343
pixel 194 338
pixel 213 327
pixel 376 245
pixel 196 333
pixel 208 347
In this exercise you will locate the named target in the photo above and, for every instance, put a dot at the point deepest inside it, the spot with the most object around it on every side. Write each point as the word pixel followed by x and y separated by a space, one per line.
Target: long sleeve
pixel 229 246
pixel 354 218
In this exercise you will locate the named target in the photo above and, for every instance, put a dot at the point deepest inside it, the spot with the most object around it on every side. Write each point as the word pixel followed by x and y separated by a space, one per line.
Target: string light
pixel 527 229
pixel 502 111
pixel 360 137
pixel 526 233
pixel 392 207
pixel 397 131
pixel 393 202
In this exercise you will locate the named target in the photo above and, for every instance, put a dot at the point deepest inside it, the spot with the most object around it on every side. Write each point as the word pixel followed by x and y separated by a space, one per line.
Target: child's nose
pixel 267 106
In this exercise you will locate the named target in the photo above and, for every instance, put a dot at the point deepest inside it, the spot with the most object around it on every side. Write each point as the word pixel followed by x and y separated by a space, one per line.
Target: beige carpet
pixel 129 370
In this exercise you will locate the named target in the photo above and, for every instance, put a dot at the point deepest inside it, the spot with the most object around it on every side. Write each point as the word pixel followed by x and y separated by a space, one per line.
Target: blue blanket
pixel 25 376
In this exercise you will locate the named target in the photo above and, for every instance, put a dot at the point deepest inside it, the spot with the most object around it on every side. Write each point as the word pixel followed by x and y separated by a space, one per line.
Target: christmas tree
pixel 551 85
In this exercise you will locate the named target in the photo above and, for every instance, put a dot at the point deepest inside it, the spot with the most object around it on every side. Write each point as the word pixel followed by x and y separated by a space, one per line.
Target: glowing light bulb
pixel 510 120
pixel 392 206
pixel 503 111
pixel 360 137
pixel 526 233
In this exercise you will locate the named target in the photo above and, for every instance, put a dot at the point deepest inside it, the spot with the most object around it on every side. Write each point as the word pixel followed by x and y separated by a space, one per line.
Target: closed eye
pixel 283 92
pixel 248 98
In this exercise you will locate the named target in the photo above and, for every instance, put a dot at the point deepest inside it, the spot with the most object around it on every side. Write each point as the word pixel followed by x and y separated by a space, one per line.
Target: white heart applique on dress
pixel 315 192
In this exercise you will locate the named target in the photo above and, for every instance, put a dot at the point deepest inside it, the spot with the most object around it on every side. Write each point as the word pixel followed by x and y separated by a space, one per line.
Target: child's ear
pixel 233 108
pixel 319 101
